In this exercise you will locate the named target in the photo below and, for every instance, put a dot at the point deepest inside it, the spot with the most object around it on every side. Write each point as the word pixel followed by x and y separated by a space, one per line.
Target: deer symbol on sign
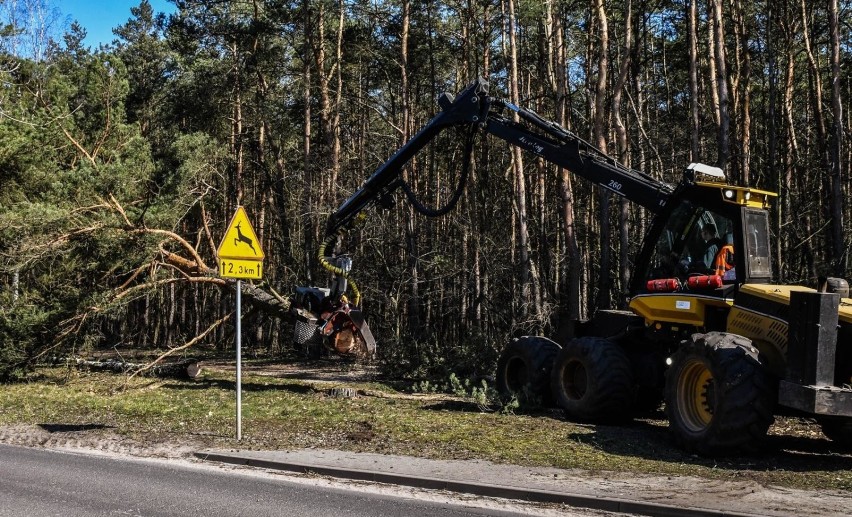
pixel 243 238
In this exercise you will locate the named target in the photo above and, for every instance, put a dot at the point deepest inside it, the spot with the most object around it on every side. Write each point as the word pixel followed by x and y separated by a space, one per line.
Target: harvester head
pixel 334 322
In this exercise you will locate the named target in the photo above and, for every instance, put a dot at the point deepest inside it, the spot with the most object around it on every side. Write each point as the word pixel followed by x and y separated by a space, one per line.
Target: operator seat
pixel 724 260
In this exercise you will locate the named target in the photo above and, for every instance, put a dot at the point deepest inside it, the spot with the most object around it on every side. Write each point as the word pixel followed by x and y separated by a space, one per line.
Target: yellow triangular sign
pixel 240 241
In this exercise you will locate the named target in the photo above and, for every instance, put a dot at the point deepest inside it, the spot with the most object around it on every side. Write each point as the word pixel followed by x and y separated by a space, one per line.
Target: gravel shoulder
pixel 738 496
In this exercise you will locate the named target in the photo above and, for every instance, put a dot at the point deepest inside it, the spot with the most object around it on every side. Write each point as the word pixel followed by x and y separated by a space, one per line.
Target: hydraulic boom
pixel 475 108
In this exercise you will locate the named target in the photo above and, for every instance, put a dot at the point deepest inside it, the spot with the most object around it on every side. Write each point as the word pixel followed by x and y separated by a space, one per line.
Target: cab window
pixel 756 232
pixel 690 243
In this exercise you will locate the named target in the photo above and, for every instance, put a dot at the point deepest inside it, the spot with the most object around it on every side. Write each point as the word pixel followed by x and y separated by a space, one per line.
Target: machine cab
pixel 712 236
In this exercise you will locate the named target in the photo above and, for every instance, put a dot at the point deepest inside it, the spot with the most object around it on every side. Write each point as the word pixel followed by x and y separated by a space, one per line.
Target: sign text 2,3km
pixel 239 253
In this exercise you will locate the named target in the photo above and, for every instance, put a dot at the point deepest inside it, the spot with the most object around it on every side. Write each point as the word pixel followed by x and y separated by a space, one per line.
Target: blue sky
pixel 100 16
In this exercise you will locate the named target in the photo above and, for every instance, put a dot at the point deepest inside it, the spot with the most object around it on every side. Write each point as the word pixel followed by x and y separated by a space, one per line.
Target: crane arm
pixel 539 136
pixel 565 149
pixel 342 323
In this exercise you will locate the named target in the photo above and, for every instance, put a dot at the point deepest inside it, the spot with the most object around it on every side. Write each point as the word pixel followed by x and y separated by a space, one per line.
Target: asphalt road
pixel 36 482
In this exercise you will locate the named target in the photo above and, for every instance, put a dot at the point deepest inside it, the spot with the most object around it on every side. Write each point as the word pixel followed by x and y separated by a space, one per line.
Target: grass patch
pixel 285 413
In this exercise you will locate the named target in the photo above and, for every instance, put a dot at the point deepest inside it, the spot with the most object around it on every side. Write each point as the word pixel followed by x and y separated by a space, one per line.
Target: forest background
pixel 121 165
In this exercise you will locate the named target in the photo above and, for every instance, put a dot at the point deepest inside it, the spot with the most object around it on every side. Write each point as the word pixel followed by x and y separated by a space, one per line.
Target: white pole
pixel 239 364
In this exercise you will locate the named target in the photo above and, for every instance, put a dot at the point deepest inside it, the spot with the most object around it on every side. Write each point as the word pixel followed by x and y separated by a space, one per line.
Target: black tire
pixel 592 381
pixel 719 397
pixel 523 370
pixel 838 430
pixel 649 377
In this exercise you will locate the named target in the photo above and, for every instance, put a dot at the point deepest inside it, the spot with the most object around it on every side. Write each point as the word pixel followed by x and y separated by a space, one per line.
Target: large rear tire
pixel 592 381
pixel 719 397
pixel 523 370
pixel 838 430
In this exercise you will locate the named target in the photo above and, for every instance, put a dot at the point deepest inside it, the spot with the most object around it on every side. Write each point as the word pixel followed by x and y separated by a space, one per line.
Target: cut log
pixel 186 369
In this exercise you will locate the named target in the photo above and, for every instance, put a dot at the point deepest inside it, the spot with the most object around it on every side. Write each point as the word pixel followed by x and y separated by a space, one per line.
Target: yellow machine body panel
pixel 765 321
pixel 781 294
pixel 760 315
pixel 744 196
pixel 777 293
pixel 678 308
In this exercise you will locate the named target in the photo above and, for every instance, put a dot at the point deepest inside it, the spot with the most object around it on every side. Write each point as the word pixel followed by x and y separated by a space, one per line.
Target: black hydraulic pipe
pixel 556 145
pixel 470 106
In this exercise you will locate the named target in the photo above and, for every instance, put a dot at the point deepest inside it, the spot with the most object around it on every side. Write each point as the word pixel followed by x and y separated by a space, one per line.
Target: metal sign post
pixel 240 256
pixel 239 363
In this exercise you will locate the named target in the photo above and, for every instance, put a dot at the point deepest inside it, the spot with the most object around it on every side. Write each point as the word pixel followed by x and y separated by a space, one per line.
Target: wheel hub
pixel 575 380
pixel 516 374
pixel 696 395
pixel 707 396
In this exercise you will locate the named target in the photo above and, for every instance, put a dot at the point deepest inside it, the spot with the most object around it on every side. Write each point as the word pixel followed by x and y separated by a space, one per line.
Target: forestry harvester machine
pixel 723 346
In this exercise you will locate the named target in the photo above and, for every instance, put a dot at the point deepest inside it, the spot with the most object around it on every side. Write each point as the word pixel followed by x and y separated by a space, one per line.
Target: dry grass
pixel 285 413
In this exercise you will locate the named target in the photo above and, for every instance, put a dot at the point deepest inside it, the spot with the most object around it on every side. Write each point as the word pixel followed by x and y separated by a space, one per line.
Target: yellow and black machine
pixel 706 331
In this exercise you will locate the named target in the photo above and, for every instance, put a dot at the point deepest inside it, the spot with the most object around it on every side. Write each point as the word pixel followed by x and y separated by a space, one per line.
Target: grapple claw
pixel 346 331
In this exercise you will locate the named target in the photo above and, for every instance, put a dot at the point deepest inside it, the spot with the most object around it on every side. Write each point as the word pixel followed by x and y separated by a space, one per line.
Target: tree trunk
pixel 711 64
pixel 308 200
pixel 839 254
pixel 816 77
pixel 622 146
pixel 772 113
pixel 411 234
pixel 791 148
pixel 528 288
pixel 694 104
pixel 237 141
pixel 186 369
pixel 743 93
pixel 571 289
pixel 822 136
pixel 599 138
pixel 723 131
pixel 338 99
pixel 329 114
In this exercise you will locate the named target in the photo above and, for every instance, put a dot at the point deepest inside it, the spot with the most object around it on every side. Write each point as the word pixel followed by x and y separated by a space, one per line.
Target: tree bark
pixel 622 145
pixel 307 163
pixel 694 105
pixel 743 94
pixel 839 258
pixel 411 233
pixel 237 140
pixel 186 369
pixel 723 144
pixel 599 137
pixel 573 293
pixel 529 289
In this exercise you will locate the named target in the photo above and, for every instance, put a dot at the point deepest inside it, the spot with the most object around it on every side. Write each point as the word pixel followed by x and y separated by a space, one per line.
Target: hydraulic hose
pixel 432 212
pixel 337 270
pixel 418 206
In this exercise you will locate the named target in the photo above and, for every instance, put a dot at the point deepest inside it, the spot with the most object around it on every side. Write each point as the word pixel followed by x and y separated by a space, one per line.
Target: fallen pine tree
pixel 185 369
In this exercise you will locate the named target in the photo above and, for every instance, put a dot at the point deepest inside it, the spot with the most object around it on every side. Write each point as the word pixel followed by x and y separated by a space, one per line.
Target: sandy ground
pixel 105 442
pixel 740 496
pixel 94 438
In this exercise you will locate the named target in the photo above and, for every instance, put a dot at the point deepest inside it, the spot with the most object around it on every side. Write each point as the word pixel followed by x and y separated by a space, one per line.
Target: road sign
pixel 236 268
pixel 240 256
pixel 240 241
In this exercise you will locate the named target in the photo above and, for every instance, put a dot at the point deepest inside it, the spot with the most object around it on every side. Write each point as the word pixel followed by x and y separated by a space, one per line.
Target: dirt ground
pixel 801 436
pixel 742 496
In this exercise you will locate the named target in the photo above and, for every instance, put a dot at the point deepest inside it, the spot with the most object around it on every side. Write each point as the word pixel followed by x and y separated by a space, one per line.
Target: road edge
pixel 608 504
